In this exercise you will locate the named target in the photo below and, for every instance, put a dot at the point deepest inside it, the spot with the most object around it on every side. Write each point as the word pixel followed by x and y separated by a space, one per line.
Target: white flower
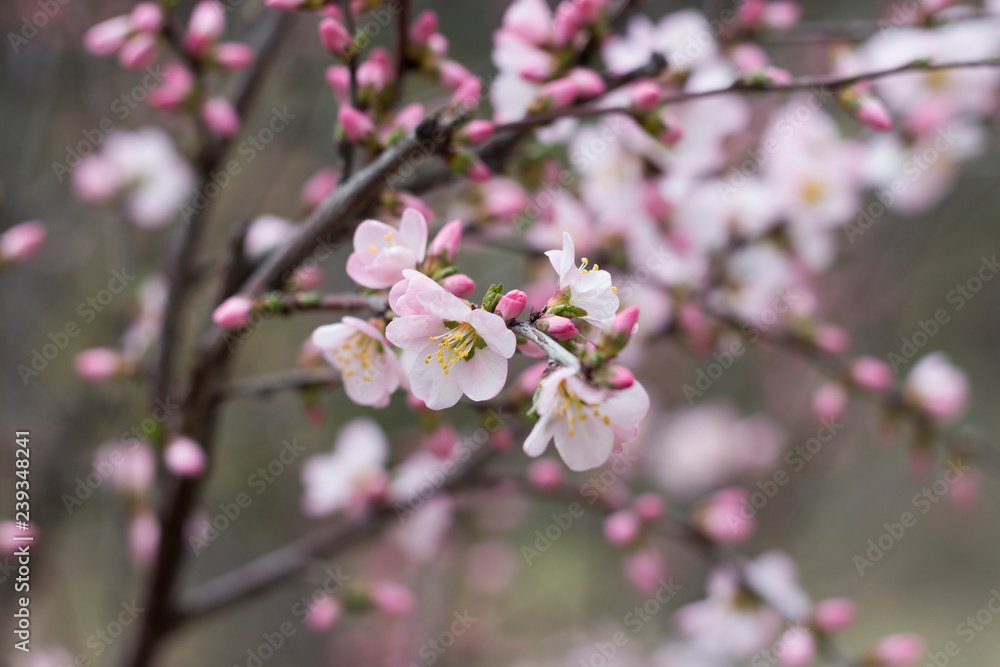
pixel 346 478
pixel 367 365
pixel 589 290
pixel 585 421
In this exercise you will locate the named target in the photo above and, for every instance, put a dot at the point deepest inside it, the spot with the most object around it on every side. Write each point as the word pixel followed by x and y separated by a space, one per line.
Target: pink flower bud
pixel 749 57
pixel 479 172
pixel 22 241
pixel 722 518
pixel 334 36
pixel 307 277
pixel 323 614
pixel 233 313
pixel 220 116
pixel 872 113
pixel 392 599
pixel 828 402
pixel 424 27
pixel 834 615
pixel 620 377
pixel 339 79
pixel 645 96
pixel 560 328
pixel 898 650
pixel 453 75
pixel 650 506
pixel 178 82
pixel 144 537
pixel 781 14
pixel 357 126
pixel 185 458
pixel 287 5
pixel 234 55
pixel 441 443
pixel 138 52
pixel 832 339
pixel 545 474
pixel 99 364
pixel 558 94
pixel 208 20
pixel 871 373
pixel 468 95
pixel 319 186
pixel 588 82
pixel 511 305
pixel 937 387
pixel 459 284
pixel 644 570
pixel 751 12
pixel 476 132
pixel 447 240
pixel 796 647
pixel 405 200
pixel 107 36
pixel 621 528
pixel 373 74
pixel 624 323
pixel 672 135
pixel 146 17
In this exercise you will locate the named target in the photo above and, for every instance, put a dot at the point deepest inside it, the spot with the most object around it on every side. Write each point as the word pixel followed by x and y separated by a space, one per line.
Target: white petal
pixel 429 383
pixel 414 331
pixel 588 447
pixel 483 375
pixel 538 440
pixel 493 330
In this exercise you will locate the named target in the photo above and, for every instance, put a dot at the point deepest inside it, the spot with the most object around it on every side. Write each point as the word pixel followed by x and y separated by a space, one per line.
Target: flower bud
pixel 185 458
pixel 208 20
pixel 834 615
pixel 220 116
pixel 447 240
pixel 392 599
pixel 871 373
pixel 645 96
pixel 832 339
pixel 476 132
pixel 797 647
pixel 644 570
pixel 459 284
pixel 234 55
pixel 107 36
pixel 556 94
pixel 146 17
pixel 721 517
pixel 338 77
pixel 323 614
pixel 99 364
pixel 424 27
pixel 898 650
pixel 22 241
pixel 828 402
pixel 872 113
pixel 233 313
pixel 650 506
pixel 545 474
pixel 621 528
pixel 619 377
pixel 356 125
pixel 138 52
pixel 319 186
pixel 588 83
pixel 334 36
pixel 557 327
pixel 178 82
pixel 144 537
pixel 454 75
pixel 511 305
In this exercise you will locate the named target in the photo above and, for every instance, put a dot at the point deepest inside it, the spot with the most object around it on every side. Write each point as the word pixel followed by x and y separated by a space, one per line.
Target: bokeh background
pixel 899 272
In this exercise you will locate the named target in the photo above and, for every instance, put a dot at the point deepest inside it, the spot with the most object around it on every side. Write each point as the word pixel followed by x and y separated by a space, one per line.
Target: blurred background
pixel 899 272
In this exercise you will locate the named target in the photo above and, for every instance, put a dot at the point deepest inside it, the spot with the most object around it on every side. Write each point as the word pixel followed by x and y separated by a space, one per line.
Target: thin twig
pixel 556 352
pixel 265 385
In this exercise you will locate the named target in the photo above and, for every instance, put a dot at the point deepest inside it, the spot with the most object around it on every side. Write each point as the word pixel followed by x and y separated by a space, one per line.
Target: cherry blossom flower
pixel 382 253
pixel 347 477
pixel 585 421
pixel 460 350
pixel 367 365
pixel 938 387
pixel 589 291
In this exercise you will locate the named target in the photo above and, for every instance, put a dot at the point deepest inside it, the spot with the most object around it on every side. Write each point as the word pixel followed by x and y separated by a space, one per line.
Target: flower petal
pixel 331 336
pixel 443 304
pixel 429 383
pixel 588 447
pixel 538 440
pixel 413 331
pixel 492 329
pixel 413 232
pixel 483 375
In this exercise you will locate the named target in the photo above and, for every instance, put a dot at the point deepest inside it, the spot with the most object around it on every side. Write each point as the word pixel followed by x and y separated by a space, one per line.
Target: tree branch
pixel 556 352
pixel 265 385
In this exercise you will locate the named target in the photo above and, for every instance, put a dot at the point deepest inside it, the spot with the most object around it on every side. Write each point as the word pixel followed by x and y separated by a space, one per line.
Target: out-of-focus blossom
pixel 899 650
pixel 834 615
pixel 323 614
pixel 185 458
pixel 937 387
pixel 234 312
pixel 392 599
pixel 99 364
pixel 346 478
pixel 265 234
pixel 220 115
pixel 22 241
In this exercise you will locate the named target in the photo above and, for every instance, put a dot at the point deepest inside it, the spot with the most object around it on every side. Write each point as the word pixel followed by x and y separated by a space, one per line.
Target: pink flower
pixel 585 421
pixel 722 518
pixel 447 241
pixel 146 17
pixel 828 402
pixel 235 55
pixel 339 79
pixel 129 467
pixel 796 647
pixel 356 125
pixel 898 650
pixel 511 305
pixel 650 506
pixel 334 36
pixel 382 253
pixel 545 474
pixel 644 570
pixel 107 36
pixel 22 241
pixel 265 234
pixel 424 27
pixel 234 312
pixel 476 132
pixel 459 350
pixel 367 365
pixel 392 599
pixel 871 373
pixel 208 20
pixel 937 387
pixel 178 82
pixel 185 458
pixel 645 96
pixel 99 364
pixel 138 52
pixel 459 284
pixel 834 615
pixel 220 115
pixel 323 614
pixel 346 478
pixel 587 290
pixel 557 94
pixel 530 20
pixel 319 186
